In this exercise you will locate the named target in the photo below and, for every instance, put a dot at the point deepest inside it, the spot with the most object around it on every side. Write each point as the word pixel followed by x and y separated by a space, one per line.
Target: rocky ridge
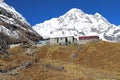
pixel 77 23
pixel 14 26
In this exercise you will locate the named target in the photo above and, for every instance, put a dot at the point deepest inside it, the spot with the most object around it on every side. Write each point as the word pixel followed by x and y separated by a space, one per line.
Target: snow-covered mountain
pixel 13 25
pixel 77 23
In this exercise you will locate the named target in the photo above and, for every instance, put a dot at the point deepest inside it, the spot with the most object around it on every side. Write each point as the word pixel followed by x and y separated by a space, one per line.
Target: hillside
pixel 92 61
pixel 13 26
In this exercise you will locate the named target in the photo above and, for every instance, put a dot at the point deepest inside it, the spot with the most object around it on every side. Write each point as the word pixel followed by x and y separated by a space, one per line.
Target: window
pixel 57 40
pixel 60 38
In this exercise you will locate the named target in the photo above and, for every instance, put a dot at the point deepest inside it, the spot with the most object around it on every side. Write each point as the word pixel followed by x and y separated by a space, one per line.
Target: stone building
pixel 62 40
pixel 70 39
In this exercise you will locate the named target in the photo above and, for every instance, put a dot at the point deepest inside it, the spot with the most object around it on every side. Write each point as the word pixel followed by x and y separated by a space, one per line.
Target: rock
pixel 31 51
pixel 14 26
pixel 5 55
pixel 3 71
pixel 3 48
pixel 28 52
pixel 27 64
pixel 75 55
pixel 49 66
pixel 37 60
pixel 60 68
pixel 15 74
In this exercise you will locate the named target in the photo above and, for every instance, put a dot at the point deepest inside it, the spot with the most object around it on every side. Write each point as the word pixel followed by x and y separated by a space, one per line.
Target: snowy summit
pixel 77 23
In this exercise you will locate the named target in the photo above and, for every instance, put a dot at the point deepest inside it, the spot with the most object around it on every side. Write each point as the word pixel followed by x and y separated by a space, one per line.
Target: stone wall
pixel 53 41
pixel 62 40
pixel 69 40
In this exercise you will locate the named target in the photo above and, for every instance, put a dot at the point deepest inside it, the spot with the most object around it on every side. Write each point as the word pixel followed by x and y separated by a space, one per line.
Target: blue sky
pixel 37 11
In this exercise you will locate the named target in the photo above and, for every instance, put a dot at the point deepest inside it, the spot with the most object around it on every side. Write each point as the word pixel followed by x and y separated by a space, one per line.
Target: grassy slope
pixel 92 61
pixel 100 55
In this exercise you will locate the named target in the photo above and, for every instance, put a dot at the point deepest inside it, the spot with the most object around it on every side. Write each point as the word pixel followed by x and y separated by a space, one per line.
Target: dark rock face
pixel 4 45
pixel 3 48
pixel 14 28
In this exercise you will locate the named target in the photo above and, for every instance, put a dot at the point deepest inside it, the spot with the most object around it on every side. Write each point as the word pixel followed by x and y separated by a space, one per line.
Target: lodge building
pixel 62 40
pixel 86 39
pixel 71 39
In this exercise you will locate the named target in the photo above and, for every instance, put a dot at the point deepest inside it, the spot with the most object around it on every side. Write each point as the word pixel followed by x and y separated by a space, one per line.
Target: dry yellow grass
pixel 101 56
pixel 16 58
pixel 92 61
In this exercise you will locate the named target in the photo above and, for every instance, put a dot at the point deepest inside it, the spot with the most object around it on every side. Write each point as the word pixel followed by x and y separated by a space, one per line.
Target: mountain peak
pixel 73 13
pixel 77 23
pixel 75 10
pixel 98 15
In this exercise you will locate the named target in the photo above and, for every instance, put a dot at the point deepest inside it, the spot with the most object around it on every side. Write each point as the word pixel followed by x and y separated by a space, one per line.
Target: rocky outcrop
pixel 13 26
pixel 3 49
